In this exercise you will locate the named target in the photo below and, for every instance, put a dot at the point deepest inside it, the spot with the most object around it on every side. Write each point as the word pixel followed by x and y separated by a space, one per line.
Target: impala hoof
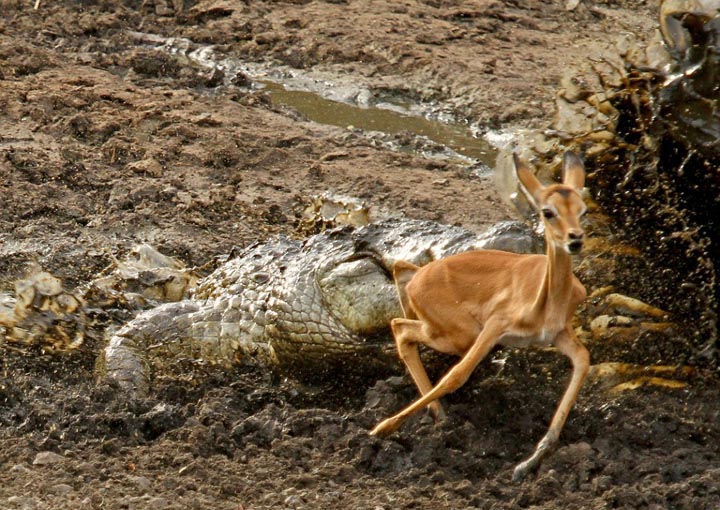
pixel 521 471
pixel 385 428
pixel 437 412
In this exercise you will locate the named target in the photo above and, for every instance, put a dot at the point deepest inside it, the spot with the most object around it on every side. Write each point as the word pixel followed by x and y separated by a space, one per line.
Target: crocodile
pixel 312 309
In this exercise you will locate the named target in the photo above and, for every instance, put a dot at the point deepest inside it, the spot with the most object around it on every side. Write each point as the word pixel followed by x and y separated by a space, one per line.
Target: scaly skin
pixel 309 308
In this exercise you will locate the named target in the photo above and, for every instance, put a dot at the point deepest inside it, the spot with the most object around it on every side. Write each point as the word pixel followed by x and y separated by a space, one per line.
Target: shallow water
pixel 336 102
pixel 456 137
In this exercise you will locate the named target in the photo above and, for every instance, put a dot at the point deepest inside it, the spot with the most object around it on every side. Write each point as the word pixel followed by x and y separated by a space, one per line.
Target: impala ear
pixel 573 171
pixel 528 182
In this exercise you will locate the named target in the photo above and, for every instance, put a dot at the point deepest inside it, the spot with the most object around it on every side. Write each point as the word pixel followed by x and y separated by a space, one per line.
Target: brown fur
pixel 468 303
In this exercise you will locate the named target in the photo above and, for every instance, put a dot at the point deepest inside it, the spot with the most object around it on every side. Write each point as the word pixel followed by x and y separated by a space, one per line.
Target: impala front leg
pixel 568 344
pixel 456 377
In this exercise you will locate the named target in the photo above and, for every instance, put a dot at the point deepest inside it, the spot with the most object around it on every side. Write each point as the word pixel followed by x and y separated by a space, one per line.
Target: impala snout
pixel 574 243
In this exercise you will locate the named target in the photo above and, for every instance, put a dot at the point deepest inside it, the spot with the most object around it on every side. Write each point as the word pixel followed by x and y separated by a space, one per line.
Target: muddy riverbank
pixel 105 142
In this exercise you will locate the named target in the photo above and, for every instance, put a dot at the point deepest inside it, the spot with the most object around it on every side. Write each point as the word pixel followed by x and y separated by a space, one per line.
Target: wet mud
pixel 653 155
pixel 105 143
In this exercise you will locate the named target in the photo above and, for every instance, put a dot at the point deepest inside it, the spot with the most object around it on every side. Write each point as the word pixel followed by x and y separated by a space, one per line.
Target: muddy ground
pixel 105 143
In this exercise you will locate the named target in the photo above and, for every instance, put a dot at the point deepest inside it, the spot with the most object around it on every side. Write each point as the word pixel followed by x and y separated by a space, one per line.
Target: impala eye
pixel 548 214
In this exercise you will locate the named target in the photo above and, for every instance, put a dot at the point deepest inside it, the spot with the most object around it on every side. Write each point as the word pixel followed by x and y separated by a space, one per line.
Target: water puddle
pixel 458 138
pixel 343 102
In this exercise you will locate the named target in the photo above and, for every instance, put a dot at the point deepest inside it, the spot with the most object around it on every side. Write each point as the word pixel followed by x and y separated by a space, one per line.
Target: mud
pixel 106 143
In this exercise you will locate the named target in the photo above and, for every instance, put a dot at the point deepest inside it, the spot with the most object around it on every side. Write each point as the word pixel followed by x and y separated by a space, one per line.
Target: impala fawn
pixel 466 304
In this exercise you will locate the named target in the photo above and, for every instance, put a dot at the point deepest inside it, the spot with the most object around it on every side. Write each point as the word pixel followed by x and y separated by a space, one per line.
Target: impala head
pixel 560 205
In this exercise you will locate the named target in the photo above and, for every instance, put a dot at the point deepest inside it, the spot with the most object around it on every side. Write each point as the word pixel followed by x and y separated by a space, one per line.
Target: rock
pixel 149 166
pixel 158 503
pixel 61 489
pixel 142 483
pixel 293 501
pixel 45 458
pixel 20 468
pixel 22 502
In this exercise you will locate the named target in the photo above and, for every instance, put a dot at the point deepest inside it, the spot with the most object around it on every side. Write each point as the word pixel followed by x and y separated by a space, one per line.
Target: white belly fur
pixel 542 339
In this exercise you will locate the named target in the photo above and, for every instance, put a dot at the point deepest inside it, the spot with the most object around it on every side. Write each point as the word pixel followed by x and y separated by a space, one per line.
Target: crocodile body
pixel 309 308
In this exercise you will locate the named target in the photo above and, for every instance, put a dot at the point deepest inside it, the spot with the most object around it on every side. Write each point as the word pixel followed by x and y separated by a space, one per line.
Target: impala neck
pixel 553 297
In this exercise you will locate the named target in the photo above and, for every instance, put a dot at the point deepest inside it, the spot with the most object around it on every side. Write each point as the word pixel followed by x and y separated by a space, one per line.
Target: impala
pixel 466 304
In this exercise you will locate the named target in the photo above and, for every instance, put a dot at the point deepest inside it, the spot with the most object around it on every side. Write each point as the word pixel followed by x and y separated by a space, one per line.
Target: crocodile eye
pixel 548 214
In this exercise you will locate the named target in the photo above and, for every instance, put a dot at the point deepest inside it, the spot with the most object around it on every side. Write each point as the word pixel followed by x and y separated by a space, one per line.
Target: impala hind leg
pixel 408 333
pixel 568 344
pixel 456 377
